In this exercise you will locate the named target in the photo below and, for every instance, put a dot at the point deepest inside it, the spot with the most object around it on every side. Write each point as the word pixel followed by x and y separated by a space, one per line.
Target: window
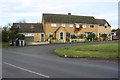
pixel 84 26
pixel 71 25
pixel 105 26
pixel 53 25
pixel 67 35
pixel 91 26
pixel 77 26
pixel 61 35
pixel 63 25
pixel 31 26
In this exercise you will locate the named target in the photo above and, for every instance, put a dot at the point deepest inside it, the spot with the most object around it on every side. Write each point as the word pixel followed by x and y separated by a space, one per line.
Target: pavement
pixel 40 62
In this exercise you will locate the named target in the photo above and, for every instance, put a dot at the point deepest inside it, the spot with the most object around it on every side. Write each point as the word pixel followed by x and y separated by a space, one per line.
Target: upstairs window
pixel 91 26
pixel 77 26
pixel 105 26
pixel 71 25
pixel 63 25
pixel 84 26
pixel 53 25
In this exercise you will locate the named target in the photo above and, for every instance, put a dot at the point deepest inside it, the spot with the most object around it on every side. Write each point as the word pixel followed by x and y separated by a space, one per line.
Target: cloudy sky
pixel 31 10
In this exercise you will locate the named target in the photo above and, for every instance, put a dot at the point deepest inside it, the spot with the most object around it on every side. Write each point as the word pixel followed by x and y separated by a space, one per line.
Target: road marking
pixel 27 70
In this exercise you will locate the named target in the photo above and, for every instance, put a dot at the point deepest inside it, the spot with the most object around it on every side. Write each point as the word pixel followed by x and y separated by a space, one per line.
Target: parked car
pixel 115 37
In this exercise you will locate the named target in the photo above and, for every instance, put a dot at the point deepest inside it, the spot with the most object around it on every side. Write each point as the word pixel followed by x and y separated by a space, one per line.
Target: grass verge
pixel 4 44
pixel 105 51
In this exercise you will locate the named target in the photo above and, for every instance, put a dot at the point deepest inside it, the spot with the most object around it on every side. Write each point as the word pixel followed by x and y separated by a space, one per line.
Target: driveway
pixel 40 62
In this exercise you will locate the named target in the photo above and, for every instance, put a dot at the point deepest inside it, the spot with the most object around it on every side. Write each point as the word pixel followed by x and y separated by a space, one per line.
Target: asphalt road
pixel 40 62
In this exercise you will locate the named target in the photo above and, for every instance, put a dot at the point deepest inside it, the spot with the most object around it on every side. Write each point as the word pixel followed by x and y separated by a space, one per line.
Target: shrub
pixel 81 36
pixel 103 36
pixel 73 36
pixel 91 36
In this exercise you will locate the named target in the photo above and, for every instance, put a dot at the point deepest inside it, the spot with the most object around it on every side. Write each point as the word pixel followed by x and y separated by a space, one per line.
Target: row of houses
pixel 62 26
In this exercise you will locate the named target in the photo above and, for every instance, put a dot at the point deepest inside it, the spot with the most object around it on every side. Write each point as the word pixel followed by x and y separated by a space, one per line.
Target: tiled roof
pixel 29 27
pixel 62 18
pixel 102 22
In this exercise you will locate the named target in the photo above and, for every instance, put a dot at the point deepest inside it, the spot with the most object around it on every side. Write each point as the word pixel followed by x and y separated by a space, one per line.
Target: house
pixel 62 26
pixel 32 31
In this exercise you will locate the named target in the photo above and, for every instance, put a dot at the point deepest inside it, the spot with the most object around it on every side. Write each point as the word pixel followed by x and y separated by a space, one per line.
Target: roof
pixel 102 22
pixel 62 18
pixel 29 27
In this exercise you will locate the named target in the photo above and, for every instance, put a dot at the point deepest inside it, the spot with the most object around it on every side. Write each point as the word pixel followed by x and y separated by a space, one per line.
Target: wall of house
pixel 88 29
pixel 103 30
pixel 50 29
pixel 97 29
pixel 36 36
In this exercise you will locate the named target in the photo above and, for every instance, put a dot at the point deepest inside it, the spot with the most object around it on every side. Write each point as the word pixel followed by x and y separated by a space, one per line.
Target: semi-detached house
pixel 62 26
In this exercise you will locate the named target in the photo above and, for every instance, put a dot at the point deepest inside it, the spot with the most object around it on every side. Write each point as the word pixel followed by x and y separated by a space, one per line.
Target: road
pixel 40 62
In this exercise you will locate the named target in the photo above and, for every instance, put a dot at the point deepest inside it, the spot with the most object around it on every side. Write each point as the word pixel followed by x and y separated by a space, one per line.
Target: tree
pixel 5 34
pixel 22 21
pixel 20 36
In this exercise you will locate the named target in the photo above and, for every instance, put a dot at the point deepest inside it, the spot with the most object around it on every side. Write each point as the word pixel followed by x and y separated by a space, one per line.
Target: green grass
pixel 90 51
pixel 4 44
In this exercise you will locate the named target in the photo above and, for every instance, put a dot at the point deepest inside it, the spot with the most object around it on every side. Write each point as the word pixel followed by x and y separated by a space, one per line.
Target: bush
pixel 81 36
pixel 73 36
pixel 103 36
pixel 91 36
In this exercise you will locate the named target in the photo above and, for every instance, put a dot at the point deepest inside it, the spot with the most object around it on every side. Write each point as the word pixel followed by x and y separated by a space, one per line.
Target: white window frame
pixel 83 26
pixel 63 25
pixel 71 25
pixel 77 26
pixel 53 25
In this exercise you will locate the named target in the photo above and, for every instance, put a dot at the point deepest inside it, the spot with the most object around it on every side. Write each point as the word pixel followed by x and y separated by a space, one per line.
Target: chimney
pixel 69 13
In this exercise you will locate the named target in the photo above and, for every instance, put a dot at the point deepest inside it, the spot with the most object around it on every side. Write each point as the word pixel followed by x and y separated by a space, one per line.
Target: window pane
pixel 63 25
pixel 77 26
pixel 53 25
pixel 84 26
pixel 61 35
pixel 71 25
pixel 91 26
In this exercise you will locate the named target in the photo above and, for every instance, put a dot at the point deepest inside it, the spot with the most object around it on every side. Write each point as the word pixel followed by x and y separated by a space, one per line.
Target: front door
pixel 61 35
pixel 42 37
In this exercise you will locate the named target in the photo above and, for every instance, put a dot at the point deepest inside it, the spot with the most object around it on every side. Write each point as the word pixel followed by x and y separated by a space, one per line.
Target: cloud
pixel 18 9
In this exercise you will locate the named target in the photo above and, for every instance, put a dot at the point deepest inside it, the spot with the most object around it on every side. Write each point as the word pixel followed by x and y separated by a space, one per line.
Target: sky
pixel 31 10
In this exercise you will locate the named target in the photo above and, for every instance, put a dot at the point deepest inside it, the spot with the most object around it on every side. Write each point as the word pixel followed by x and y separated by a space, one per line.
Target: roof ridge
pixel 65 15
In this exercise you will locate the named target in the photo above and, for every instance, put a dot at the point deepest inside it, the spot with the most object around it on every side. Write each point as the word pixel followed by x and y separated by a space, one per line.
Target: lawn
pixel 90 51
pixel 4 44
